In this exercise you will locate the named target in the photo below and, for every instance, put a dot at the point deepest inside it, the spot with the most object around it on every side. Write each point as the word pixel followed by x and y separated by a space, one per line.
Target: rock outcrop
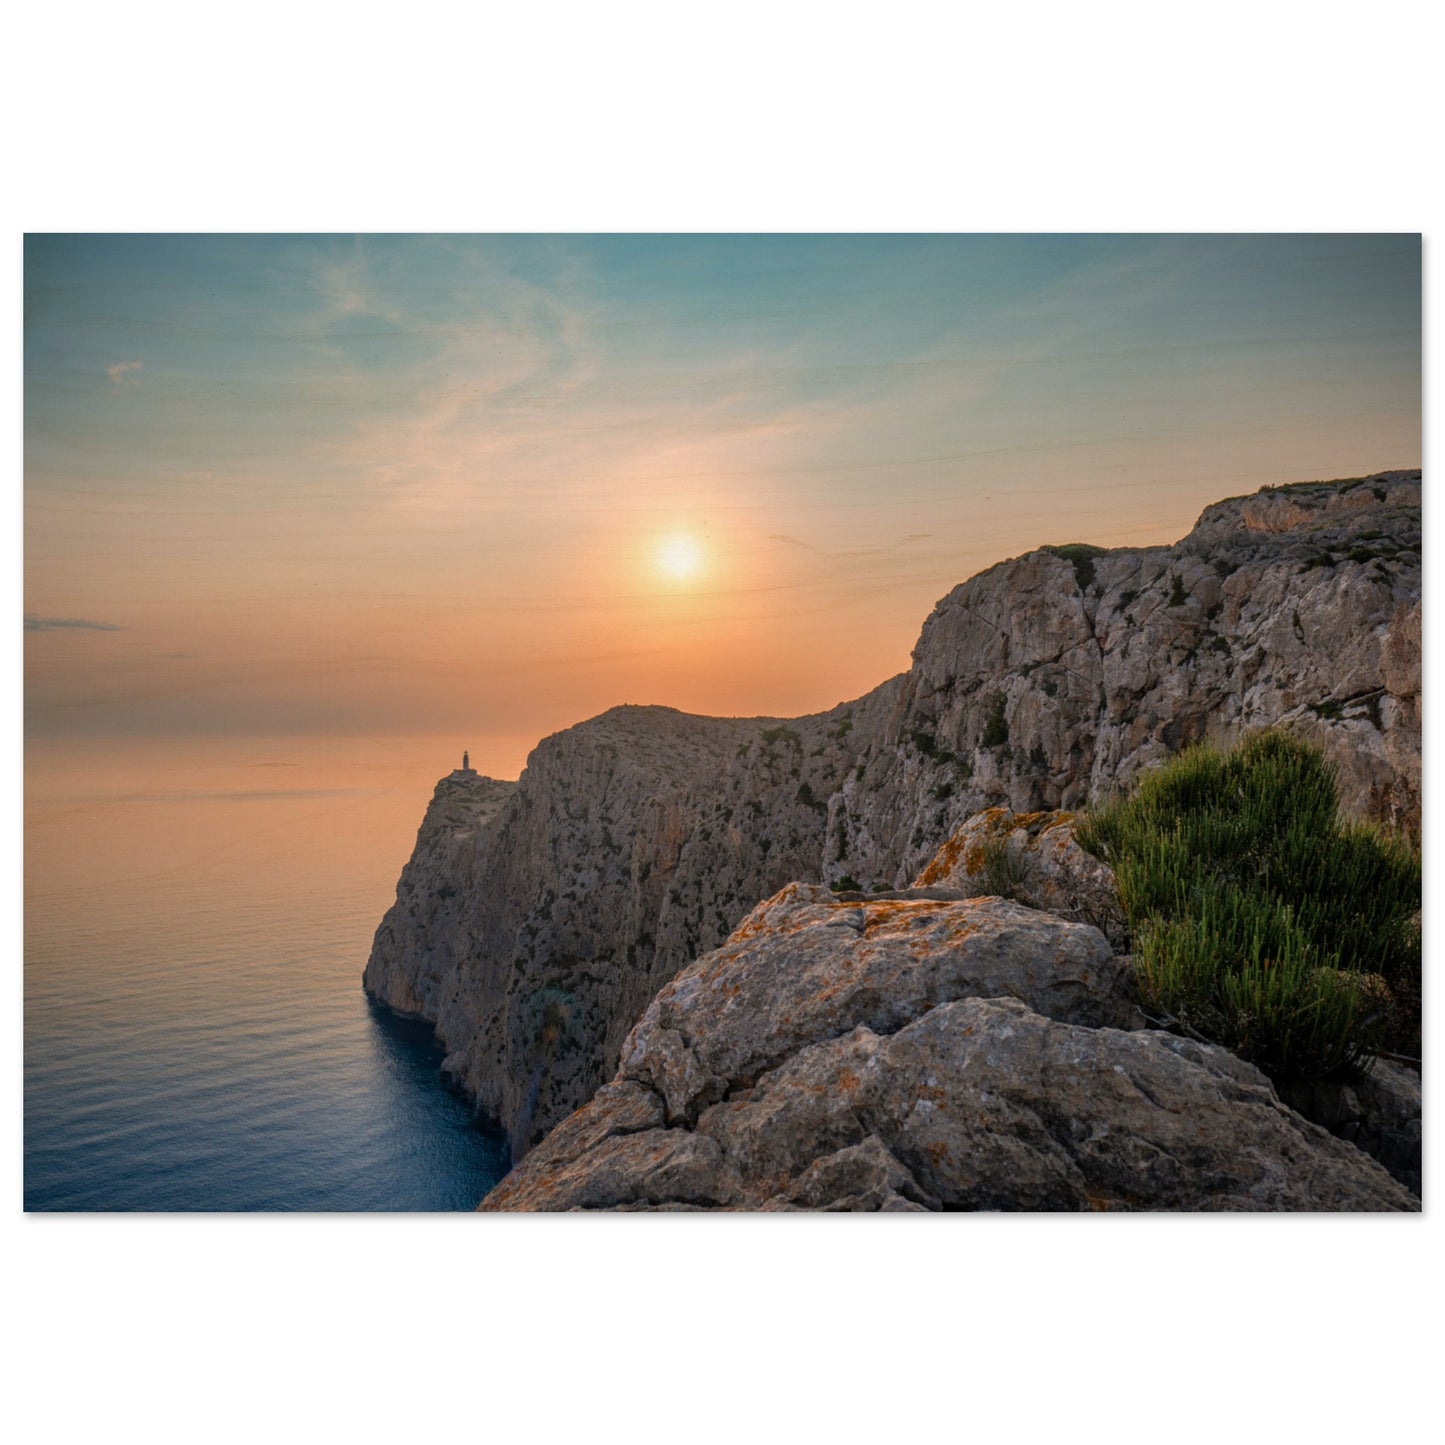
pixel 1381 1114
pixel 1057 677
pixel 426 936
pixel 634 843
pixel 1034 858
pixel 806 966
pixel 921 1053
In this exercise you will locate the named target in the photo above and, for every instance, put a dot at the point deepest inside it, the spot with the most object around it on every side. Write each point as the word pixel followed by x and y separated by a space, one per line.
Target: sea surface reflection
pixel 196 1036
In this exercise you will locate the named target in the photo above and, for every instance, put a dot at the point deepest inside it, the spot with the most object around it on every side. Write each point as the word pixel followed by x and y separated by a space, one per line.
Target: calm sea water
pixel 196 1038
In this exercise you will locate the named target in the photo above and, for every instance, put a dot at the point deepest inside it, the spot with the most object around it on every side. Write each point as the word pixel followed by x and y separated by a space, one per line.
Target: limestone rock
pixel 1045 683
pixel 830 966
pixel 634 843
pixel 1381 1114
pixel 862 1178
pixel 1035 858
pixel 812 1065
pixel 426 935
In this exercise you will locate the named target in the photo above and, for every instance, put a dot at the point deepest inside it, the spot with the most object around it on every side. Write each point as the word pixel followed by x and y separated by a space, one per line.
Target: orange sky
pixel 329 486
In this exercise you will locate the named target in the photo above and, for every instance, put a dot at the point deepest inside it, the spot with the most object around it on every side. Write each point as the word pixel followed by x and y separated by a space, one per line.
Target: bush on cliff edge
pixel 1260 919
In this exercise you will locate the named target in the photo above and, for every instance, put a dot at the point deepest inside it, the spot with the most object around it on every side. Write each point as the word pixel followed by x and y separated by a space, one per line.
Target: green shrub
pixel 995 729
pixel 782 735
pixel 1260 920
pixel 847 884
pixel 1002 875
pixel 1081 556
pixel 808 800
pixel 928 745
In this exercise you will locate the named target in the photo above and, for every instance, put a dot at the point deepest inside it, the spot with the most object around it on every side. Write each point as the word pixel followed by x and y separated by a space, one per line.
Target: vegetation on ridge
pixel 1260 919
pixel 1081 556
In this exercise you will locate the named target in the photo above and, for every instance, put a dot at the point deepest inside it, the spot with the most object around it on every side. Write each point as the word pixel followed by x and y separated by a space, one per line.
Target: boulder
pixel 927 1053
pixel 806 966
pixel 981 1104
pixel 1381 1114
pixel 1034 858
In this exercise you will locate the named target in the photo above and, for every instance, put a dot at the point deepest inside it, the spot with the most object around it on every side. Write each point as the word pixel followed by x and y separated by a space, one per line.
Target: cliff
pixel 426 938
pixel 925 1051
pixel 634 843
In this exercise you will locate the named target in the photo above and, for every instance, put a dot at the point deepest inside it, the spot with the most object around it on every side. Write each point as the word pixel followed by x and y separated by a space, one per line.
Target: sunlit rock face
pixel 1034 858
pixel 1048 681
pixel 924 1053
pixel 636 842
pixel 427 934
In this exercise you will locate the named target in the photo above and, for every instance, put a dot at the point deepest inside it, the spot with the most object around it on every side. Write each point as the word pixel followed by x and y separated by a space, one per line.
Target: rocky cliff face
pixel 926 1052
pixel 1050 679
pixel 634 843
pixel 426 936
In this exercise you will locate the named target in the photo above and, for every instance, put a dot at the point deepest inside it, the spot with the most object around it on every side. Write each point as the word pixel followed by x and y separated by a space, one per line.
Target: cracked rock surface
pixel 1041 864
pixel 426 935
pixel 924 1053
pixel 636 842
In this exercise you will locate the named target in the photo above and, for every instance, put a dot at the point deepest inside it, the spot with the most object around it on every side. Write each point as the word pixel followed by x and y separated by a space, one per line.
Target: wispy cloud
pixel 46 624
pixel 348 286
pixel 881 551
pixel 120 374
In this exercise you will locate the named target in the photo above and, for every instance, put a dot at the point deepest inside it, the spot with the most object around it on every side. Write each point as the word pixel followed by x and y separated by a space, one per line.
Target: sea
pixel 197 917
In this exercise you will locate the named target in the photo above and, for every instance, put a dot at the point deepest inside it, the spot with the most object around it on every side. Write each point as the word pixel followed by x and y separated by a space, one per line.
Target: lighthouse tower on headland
pixel 466 770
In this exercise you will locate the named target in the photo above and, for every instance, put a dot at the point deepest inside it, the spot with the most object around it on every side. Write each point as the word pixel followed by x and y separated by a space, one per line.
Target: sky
pixel 490 486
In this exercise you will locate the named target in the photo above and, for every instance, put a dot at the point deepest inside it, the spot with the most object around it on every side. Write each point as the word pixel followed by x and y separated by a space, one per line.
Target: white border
pixel 640 117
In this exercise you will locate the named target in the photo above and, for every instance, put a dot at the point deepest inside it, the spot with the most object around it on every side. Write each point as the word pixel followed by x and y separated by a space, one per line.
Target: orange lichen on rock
pixel 893 915
pixel 947 857
pixel 1029 822
pixel 766 917
pixel 966 847
pixel 942 863
pixel 885 908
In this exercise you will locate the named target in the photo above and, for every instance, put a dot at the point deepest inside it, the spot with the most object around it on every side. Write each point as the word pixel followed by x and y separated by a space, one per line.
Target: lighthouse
pixel 467 762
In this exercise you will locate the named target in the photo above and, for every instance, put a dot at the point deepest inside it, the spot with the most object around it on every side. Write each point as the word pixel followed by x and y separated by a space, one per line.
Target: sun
pixel 679 557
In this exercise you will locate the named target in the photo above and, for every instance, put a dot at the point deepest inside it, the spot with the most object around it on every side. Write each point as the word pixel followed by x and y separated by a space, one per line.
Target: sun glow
pixel 679 557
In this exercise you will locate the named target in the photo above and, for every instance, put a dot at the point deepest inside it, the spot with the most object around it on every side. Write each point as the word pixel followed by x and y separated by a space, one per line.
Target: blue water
pixel 196 1036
